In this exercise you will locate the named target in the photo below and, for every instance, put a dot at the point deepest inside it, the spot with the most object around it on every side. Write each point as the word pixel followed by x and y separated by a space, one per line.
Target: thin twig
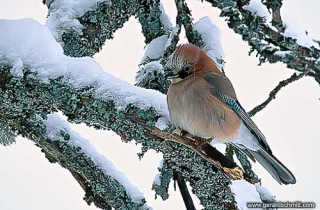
pixel 184 18
pixel 188 202
pixel 275 7
pixel 276 17
pixel 274 92
pixel 257 35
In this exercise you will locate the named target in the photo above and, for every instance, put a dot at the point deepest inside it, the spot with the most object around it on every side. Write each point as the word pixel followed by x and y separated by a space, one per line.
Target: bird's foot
pixel 203 141
pixel 235 173
pixel 192 140
pixel 180 132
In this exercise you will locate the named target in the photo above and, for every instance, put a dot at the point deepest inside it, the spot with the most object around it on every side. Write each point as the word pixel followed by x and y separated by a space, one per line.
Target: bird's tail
pixel 273 166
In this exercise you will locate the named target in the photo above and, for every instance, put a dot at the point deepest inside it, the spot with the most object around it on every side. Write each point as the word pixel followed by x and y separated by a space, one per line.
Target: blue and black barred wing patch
pixel 223 89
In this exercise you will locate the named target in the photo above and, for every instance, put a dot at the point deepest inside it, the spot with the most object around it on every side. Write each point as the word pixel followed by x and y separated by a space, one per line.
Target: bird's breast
pixel 194 109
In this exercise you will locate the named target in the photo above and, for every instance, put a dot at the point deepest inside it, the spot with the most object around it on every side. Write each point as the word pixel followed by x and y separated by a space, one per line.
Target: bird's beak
pixel 171 75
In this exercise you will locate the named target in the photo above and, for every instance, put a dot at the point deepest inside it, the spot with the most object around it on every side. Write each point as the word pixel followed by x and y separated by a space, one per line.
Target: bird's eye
pixel 187 68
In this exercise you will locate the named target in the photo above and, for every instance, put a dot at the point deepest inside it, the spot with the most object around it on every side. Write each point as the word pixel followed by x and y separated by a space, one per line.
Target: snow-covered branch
pixel 82 26
pixel 7 136
pixel 37 79
pixel 150 18
pixel 184 18
pixel 107 186
pixel 293 47
pixel 161 38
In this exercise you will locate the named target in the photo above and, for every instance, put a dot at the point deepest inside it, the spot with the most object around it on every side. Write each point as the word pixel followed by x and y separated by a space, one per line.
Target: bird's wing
pixel 222 88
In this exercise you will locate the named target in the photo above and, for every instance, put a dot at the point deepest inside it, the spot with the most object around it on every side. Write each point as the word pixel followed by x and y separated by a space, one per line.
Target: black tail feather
pixel 279 172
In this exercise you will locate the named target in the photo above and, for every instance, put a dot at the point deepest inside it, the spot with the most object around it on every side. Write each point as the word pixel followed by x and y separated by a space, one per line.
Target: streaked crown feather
pixel 184 54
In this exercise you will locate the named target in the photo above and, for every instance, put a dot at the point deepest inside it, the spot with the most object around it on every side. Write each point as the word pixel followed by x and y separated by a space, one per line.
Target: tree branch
pixel 149 18
pixel 157 30
pixel 96 25
pixel 83 105
pixel 275 6
pixel 274 92
pixel 184 18
pixel 188 202
pixel 269 43
pixel 60 146
pixel 209 153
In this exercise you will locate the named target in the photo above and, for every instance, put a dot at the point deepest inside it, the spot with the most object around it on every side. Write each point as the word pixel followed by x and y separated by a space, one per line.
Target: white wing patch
pixel 245 138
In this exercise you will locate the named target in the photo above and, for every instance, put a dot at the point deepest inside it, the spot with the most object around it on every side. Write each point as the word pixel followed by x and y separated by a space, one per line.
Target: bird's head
pixel 184 62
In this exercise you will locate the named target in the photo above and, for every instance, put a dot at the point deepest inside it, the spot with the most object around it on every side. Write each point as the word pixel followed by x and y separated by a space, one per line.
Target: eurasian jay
pixel 202 102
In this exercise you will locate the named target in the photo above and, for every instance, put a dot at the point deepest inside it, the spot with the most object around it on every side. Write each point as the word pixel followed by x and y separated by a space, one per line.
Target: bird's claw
pixel 180 132
pixel 235 173
pixel 203 141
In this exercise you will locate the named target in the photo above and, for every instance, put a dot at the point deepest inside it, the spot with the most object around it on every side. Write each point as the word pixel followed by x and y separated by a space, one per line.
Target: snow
pixel 64 14
pixel 28 43
pixel 165 18
pixel 162 123
pixel 155 49
pixel 173 33
pixel 153 66
pixel 282 54
pixel 244 192
pixel 157 178
pixel 265 194
pixel 257 8
pixel 295 31
pixel 55 124
pixel 221 147
pixel 211 36
pixel 291 28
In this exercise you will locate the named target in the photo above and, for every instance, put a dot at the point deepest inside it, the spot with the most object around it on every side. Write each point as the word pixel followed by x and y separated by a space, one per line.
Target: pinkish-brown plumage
pixel 192 106
pixel 202 102
pixel 202 114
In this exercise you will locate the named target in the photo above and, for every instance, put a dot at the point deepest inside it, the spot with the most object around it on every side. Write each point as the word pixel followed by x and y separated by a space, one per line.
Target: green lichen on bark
pixel 230 152
pixel 265 40
pixel 101 189
pixel 29 97
pixel 98 25
pixel 205 181
pixel 81 106
pixel 184 18
pixel 151 77
pixel 245 163
pixel 25 98
pixel 165 177
pixel 7 136
pixel 149 17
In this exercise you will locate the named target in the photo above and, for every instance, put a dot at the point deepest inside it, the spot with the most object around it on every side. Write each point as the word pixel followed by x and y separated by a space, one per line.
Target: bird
pixel 202 102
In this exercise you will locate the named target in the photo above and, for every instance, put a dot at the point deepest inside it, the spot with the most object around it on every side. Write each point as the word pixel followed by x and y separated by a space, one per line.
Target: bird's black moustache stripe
pixel 183 74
